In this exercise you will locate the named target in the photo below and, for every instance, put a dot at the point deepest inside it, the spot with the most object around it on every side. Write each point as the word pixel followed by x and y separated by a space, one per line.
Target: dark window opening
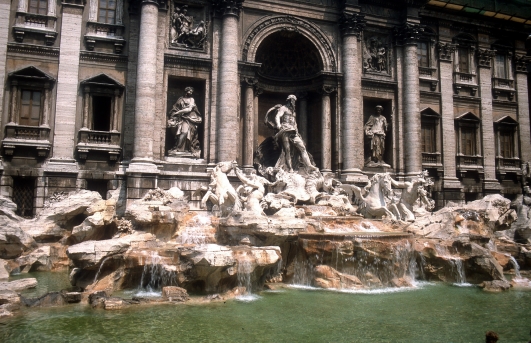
pixel 507 144
pixel 38 7
pixel 469 197
pixel 463 60
pixel 24 196
pixel 107 10
pixel 501 66
pixel 423 55
pixel 99 186
pixel 468 141
pixel 101 113
pixel 30 107
pixel 428 137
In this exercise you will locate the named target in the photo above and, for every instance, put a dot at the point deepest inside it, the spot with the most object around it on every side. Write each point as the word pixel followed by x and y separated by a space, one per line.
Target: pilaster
pixel 351 26
pixel 522 96
pixel 67 89
pixel 446 52
pixel 4 36
pixel 484 57
pixel 248 122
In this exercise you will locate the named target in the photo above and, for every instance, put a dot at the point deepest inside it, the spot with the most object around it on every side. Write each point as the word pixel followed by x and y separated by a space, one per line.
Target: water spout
pixel 99 269
pixel 156 274
pixel 515 266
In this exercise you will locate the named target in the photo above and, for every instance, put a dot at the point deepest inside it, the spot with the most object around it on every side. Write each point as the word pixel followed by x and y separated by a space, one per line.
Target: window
pixel 24 196
pixel 38 7
pixel 423 54
pixel 468 141
pixel 428 138
pixel 463 60
pixel 506 134
pixel 30 107
pixel 107 11
pixel 506 143
pixel 101 113
pixel 501 66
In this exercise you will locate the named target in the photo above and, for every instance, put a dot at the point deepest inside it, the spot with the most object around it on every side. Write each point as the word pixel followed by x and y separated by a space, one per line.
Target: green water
pixel 430 313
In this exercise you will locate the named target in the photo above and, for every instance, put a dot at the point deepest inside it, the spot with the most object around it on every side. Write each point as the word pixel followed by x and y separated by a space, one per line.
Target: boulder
pixel 58 217
pixel 18 285
pixel 37 260
pixel 90 253
pixel 13 240
pixel 159 212
pixel 47 300
pixel 72 297
pixel 327 277
pixel 4 273
pixel 113 303
pixel 173 293
pixel 8 208
pixel 495 286
pixel 9 300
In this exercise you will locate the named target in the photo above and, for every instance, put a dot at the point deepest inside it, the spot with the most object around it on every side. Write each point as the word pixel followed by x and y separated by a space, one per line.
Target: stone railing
pixel 23 137
pixel 44 25
pixel 102 32
pixel 465 78
pixel 427 72
pixel 503 86
pixel 508 165
pixel 433 158
pixel 102 141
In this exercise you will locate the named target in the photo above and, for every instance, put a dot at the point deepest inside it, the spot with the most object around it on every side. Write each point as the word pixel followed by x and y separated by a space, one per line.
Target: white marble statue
pixel 412 191
pixel 220 191
pixel 252 190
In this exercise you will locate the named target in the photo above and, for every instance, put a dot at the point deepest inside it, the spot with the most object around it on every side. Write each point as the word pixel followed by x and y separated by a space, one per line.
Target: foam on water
pixel 248 297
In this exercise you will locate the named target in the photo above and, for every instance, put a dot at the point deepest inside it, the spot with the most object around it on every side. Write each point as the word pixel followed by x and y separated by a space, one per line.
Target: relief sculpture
pixel 375 56
pixel 183 32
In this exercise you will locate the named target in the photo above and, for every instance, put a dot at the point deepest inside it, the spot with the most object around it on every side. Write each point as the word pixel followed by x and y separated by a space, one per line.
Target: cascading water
pixel 198 231
pixel 460 276
pixel 99 269
pixel 515 266
pixel 155 275
pixel 244 268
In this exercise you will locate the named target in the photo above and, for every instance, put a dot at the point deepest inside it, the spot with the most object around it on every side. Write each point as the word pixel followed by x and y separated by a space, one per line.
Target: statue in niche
pixel 374 55
pixel 183 32
pixel 375 129
pixel 293 152
pixel 184 120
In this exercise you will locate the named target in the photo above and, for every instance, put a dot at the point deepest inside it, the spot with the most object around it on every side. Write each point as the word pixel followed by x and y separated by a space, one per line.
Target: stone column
pixel 257 92
pixel 67 88
pixel 248 123
pixel 490 183
pixel 407 36
pixel 351 145
pixel 45 120
pixel 228 83
pixel 13 117
pixel 326 129
pixel 5 6
pixel 446 51
pixel 116 110
pixel 145 86
pixel 86 102
pixel 302 116
pixel 522 96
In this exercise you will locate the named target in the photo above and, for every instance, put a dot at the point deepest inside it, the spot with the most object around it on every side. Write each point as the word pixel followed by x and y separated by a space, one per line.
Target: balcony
pixel 99 141
pixel 465 80
pixel 508 166
pixel 101 32
pixel 35 24
pixel 503 86
pixel 467 163
pixel 22 137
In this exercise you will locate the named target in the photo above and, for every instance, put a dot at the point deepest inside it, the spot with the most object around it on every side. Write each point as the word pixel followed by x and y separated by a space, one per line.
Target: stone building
pixel 87 89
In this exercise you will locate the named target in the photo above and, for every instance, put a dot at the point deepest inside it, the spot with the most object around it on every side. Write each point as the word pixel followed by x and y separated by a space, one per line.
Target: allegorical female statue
pixel 184 118
pixel 375 129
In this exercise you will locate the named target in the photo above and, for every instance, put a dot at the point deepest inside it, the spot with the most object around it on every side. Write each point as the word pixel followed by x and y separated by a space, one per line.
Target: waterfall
pixel 244 269
pixel 460 277
pixel 303 273
pixel 99 269
pixel 156 274
pixel 515 266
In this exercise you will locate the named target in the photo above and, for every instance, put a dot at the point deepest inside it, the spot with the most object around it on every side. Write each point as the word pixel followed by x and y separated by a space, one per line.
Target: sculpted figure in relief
pixel 287 136
pixel 412 191
pixel 374 56
pixel 184 119
pixel 252 191
pixel 220 191
pixel 375 129
pixel 183 32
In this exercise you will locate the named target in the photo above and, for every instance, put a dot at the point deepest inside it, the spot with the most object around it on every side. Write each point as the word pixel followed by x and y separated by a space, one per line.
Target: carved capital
pixel 446 51
pixel 485 57
pixel 327 90
pixel 227 7
pixel 352 24
pixel 249 81
pixel 408 34
pixel 258 90
pixel 521 62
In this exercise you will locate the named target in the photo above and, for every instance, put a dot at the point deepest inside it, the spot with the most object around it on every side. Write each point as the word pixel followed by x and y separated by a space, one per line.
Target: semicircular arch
pixel 268 25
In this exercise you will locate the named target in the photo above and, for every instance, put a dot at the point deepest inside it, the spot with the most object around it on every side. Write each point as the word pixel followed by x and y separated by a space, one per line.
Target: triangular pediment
pixel 102 80
pixel 506 120
pixel 31 72
pixel 430 112
pixel 468 116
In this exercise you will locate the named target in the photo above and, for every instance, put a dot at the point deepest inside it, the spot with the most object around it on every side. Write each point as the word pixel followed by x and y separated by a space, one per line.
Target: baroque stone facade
pixel 87 90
